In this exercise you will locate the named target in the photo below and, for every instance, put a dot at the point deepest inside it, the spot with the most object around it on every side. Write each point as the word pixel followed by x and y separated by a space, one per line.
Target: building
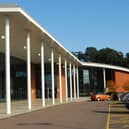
pixel 33 64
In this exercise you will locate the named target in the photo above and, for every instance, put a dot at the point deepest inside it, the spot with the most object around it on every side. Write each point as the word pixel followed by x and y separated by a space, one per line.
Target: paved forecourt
pixel 76 115
pixel 21 107
pixel 118 116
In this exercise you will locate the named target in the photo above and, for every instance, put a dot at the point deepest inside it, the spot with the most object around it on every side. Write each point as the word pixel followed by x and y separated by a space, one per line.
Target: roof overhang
pixel 99 65
pixel 20 22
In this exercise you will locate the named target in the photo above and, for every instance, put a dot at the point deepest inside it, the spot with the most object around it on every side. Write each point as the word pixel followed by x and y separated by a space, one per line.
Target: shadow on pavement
pixel 27 124
pixel 116 106
pixel 113 112
pixel 115 103
pixel 47 124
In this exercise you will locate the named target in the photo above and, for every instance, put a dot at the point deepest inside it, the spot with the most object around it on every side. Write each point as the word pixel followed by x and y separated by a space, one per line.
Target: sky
pixel 78 24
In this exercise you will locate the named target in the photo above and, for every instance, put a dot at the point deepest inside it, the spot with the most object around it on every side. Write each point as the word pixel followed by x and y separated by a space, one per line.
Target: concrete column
pixel 66 83
pixel 77 83
pixel 60 79
pixel 52 72
pixel 104 79
pixel 29 71
pixel 71 91
pixel 74 81
pixel 7 64
pixel 42 74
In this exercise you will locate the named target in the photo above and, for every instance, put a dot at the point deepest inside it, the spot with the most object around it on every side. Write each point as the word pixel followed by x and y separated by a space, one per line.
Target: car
pixel 124 96
pixel 100 97
pixel 127 102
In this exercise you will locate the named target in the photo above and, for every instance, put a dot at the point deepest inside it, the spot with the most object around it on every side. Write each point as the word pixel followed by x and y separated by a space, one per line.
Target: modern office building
pixel 33 64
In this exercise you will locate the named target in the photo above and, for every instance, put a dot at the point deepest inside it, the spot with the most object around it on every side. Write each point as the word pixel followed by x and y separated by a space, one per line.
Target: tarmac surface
pixel 119 116
pixel 76 115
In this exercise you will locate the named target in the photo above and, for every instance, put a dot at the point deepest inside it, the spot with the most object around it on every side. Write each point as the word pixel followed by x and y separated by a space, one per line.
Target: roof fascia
pixel 99 65
pixel 18 9
pixel 49 35
pixel 12 9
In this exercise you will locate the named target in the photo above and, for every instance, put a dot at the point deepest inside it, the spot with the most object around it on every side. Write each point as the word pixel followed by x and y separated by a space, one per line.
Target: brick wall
pixel 33 81
pixel 63 83
pixel 121 78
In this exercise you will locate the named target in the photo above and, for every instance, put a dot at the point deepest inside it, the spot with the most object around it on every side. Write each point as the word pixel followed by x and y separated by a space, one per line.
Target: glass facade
pixel 2 77
pixel 92 80
pixel 48 81
pixel 18 79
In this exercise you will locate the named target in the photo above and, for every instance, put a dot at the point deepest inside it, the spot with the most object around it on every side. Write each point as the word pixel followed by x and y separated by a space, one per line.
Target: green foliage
pixel 110 56
pixel 90 54
pixel 127 59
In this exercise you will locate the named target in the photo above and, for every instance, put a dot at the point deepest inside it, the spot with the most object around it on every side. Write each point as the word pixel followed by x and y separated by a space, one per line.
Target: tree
pixel 80 55
pixel 105 55
pixel 90 54
pixel 110 56
pixel 127 60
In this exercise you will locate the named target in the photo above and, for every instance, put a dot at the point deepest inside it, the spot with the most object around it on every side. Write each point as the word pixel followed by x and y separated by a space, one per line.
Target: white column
pixel 60 79
pixel 52 72
pixel 77 83
pixel 66 83
pixel 29 71
pixel 70 72
pixel 74 81
pixel 7 65
pixel 42 74
pixel 104 80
